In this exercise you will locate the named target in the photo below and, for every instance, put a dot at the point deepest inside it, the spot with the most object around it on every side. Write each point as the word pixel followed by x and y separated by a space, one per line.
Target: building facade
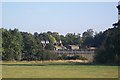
pixel 73 47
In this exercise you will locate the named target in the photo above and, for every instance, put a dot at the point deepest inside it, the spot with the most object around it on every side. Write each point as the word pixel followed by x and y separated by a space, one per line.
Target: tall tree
pixel 88 39
pixel 56 36
pixel 30 46
pixel 17 43
pixel 98 39
pixel 88 33
pixel 12 44
pixel 109 52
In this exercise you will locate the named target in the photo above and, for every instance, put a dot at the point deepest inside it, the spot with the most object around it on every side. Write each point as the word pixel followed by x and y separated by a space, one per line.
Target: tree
pixel 69 38
pixel 44 36
pixel 98 39
pixel 56 36
pixel 88 33
pixel 49 46
pixel 109 52
pixel 31 46
pixel 12 44
pixel 52 39
pixel 48 37
pixel 64 40
pixel 6 38
pixel 73 39
pixel 88 39
pixel 17 44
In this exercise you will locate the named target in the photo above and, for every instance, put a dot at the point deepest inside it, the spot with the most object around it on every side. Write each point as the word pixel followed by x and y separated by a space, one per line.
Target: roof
pixel 73 45
pixel 92 48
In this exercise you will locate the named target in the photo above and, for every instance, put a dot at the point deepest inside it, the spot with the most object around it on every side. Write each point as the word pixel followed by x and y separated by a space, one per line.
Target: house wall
pixel 73 47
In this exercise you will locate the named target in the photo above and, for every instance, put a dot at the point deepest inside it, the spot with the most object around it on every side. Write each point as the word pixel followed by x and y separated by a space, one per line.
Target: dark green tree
pixel 31 46
pixel 109 52
pixel 12 44
pixel 88 39
pixel 98 39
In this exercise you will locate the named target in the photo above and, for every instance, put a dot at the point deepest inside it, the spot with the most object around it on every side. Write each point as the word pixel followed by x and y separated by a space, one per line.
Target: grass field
pixel 56 70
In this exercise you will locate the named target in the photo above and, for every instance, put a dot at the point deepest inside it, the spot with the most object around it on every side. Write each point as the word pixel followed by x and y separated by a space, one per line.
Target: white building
pixel 73 47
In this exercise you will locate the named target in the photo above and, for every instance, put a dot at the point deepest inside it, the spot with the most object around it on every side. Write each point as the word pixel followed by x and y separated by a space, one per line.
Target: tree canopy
pixel 17 45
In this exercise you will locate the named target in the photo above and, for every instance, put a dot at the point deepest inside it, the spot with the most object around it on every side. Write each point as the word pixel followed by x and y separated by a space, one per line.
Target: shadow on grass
pixel 57 64
pixel 23 65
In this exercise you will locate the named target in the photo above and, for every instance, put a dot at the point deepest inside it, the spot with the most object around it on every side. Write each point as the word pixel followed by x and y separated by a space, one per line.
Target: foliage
pixel 49 46
pixel 74 57
pixel 99 39
pixel 18 45
pixel 71 39
pixel 88 33
pixel 12 44
pixel 88 39
pixel 109 52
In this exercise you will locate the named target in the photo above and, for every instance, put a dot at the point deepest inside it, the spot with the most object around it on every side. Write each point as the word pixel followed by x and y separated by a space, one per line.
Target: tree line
pixel 17 45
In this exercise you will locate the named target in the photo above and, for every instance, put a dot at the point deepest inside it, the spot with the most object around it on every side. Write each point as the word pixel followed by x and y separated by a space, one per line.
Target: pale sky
pixel 62 17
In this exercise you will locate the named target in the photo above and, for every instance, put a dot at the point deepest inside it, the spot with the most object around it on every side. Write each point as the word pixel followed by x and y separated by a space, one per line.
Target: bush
pixel 82 58
pixel 75 57
pixel 48 55
pixel 104 56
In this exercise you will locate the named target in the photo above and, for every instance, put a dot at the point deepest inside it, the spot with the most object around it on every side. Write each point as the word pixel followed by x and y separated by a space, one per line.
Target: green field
pixel 56 70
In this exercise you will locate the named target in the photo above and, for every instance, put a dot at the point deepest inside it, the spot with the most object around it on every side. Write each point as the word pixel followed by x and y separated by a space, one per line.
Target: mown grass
pixel 56 70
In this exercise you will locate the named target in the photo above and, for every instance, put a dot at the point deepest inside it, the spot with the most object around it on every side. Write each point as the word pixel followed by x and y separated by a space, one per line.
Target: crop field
pixel 39 69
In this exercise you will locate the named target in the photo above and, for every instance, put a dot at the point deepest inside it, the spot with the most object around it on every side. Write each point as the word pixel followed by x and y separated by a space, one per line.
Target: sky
pixel 62 17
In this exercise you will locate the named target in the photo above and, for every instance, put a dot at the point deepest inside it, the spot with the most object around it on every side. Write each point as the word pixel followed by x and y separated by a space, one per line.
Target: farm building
pixel 92 48
pixel 73 47
pixel 57 47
